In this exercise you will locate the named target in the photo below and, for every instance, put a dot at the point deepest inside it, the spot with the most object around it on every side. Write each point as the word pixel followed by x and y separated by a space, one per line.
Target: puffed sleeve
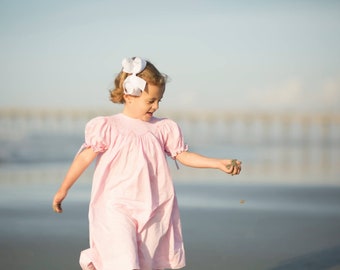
pixel 173 139
pixel 97 134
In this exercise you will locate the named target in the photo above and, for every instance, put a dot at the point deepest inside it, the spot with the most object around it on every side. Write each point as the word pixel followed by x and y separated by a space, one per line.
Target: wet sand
pixel 254 228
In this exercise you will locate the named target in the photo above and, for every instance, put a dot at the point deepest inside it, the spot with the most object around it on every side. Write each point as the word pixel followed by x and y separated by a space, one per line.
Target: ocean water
pixel 35 154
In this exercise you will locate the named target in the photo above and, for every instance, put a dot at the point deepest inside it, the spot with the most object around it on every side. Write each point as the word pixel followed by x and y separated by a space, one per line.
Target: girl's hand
pixel 232 166
pixel 58 198
pixel 79 165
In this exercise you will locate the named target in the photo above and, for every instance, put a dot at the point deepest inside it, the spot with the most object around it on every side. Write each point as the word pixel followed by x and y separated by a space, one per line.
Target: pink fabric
pixel 133 214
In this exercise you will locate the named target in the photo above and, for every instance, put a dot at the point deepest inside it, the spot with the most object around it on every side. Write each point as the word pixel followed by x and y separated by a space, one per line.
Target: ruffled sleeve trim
pixel 173 139
pixel 97 135
pixel 185 148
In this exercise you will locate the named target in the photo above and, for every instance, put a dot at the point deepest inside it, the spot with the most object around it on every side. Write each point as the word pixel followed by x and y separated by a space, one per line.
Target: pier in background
pixel 271 143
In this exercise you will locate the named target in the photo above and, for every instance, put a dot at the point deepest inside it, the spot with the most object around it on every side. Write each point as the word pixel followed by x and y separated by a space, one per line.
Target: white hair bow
pixel 133 85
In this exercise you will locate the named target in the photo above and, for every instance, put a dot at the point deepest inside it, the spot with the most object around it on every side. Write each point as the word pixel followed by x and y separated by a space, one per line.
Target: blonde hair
pixel 150 74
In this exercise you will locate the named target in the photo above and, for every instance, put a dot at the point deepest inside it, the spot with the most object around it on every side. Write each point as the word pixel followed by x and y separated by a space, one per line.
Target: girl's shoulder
pixel 100 122
pixel 165 124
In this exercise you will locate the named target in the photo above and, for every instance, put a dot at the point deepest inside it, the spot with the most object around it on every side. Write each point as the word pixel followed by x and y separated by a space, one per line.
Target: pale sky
pixel 282 55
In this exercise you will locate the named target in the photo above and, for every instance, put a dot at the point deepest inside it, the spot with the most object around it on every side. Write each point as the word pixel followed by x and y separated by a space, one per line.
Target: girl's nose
pixel 155 105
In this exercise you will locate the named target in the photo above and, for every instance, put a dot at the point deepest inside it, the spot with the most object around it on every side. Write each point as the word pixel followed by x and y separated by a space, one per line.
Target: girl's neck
pixel 127 113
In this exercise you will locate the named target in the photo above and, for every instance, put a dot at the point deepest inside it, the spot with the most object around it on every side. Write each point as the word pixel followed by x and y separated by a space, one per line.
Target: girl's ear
pixel 127 98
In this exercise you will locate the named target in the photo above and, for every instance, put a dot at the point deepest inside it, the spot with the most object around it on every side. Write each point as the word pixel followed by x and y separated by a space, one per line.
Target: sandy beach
pixel 224 226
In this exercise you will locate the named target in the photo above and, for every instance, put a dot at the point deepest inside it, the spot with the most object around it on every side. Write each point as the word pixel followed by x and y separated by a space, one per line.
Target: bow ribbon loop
pixel 133 85
pixel 133 66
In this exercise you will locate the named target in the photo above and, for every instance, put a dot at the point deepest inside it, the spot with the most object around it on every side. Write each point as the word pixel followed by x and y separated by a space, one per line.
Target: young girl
pixel 133 214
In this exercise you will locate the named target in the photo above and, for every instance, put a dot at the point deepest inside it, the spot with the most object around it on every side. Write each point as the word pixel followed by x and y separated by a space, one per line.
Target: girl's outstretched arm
pixel 78 166
pixel 231 166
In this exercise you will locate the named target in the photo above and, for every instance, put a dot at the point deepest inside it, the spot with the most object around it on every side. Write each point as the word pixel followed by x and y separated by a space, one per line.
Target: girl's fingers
pixel 57 205
pixel 57 200
pixel 57 208
pixel 234 167
pixel 235 170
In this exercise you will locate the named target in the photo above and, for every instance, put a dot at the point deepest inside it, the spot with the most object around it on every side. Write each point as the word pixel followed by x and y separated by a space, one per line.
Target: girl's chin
pixel 147 117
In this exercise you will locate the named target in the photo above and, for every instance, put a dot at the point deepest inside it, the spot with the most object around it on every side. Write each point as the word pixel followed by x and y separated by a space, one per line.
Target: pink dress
pixel 133 214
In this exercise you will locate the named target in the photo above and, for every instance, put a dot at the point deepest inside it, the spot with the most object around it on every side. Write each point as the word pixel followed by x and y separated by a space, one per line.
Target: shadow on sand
pixel 318 260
